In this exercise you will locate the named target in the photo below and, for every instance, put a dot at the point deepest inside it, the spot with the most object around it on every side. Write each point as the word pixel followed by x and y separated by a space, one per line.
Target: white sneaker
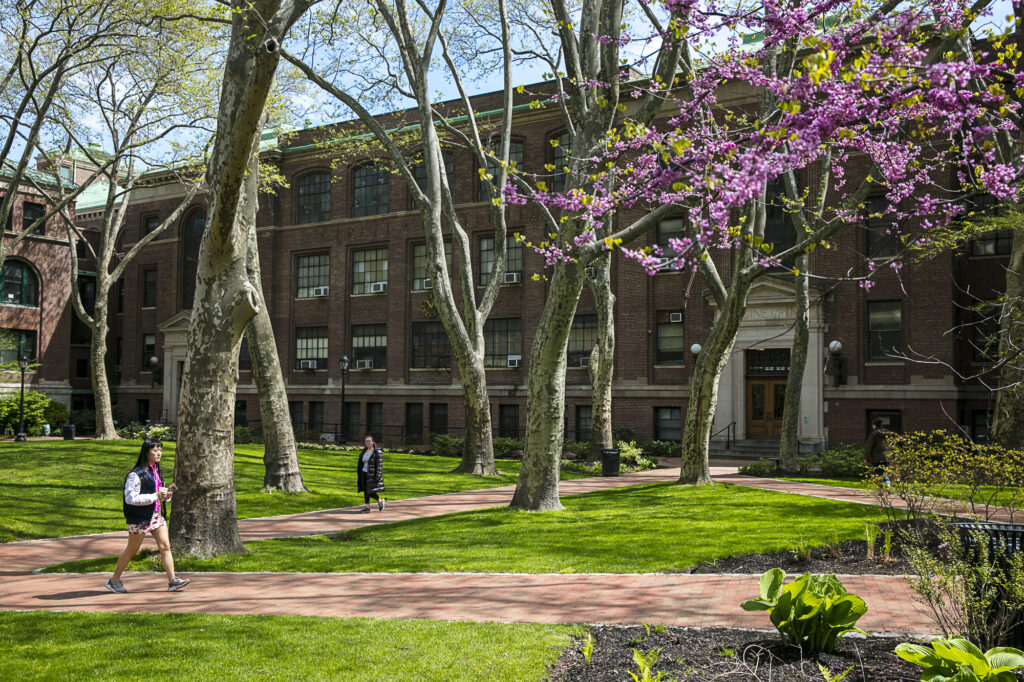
pixel 177 584
pixel 115 586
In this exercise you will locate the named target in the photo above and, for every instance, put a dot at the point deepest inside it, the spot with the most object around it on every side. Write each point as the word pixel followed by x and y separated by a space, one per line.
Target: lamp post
pixel 343 363
pixel 695 349
pixel 20 437
pixel 153 362
pixel 835 349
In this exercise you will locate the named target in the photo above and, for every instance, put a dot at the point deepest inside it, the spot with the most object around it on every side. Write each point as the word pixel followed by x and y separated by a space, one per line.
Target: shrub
pixel 843 460
pixel 631 457
pixel 445 445
pixel 55 413
pixel 84 420
pixel 243 434
pixel 957 659
pixel 579 449
pixel 507 448
pixel 36 405
pixel 625 433
pixel 328 446
pixel 762 467
pixel 137 431
pixel 806 463
pixel 663 448
pixel 811 612
pixel 582 467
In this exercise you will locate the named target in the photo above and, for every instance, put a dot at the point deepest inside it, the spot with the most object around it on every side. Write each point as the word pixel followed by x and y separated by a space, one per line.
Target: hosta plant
pixel 811 612
pixel 957 660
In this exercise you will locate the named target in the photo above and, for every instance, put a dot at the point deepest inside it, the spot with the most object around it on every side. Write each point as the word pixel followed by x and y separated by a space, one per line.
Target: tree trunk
pixel 477 446
pixel 789 446
pixel 602 358
pixel 105 429
pixel 1008 417
pixel 700 411
pixel 280 456
pixel 537 487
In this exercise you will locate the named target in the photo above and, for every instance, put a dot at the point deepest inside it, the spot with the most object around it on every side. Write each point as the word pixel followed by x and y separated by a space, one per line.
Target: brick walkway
pixel 669 599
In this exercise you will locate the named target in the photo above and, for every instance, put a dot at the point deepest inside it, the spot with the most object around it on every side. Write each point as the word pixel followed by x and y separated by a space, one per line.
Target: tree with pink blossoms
pixel 824 90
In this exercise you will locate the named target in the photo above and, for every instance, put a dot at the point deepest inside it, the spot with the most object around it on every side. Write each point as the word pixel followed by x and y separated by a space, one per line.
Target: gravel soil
pixel 704 654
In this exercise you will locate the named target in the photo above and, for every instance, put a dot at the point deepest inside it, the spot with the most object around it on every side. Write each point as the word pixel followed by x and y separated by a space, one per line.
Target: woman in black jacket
pixel 145 511
pixel 370 471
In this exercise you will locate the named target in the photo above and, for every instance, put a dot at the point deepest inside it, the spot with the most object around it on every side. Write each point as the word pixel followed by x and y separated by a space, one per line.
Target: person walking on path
pixel 876 454
pixel 370 472
pixel 145 511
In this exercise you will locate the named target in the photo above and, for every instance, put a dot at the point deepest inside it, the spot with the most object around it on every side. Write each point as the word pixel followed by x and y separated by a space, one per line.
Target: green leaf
pixel 771 583
pixel 756 605
pixel 1005 657
pixel 844 611
pixel 961 652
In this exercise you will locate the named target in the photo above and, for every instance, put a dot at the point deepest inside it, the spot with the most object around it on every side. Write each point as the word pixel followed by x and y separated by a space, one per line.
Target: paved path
pixel 669 599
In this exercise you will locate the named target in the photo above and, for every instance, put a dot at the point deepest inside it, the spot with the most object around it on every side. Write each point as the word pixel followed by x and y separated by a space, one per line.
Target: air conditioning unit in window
pixel 364 364
pixel 307 364
pixel 319 292
pixel 379 288
pixel 514 360
pixel 675 317
pixel 513 277
pixel 427 284
pixel 584 361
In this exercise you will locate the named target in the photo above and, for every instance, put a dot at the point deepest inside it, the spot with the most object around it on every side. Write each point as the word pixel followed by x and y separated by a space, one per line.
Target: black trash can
pixel 610 462
pixel 1007 538
pixel 68 431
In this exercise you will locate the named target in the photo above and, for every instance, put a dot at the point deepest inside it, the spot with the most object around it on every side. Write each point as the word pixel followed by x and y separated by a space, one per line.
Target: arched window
pixel 515 161
pixel 192 236
pixel 314 198
pixel 560 160
pixel 419 172
pixel 18 284
pixel 370 191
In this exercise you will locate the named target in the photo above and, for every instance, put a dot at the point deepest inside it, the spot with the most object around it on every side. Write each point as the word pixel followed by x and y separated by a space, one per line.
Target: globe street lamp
pixel 695 349
pixel 343 363
pixel 20 437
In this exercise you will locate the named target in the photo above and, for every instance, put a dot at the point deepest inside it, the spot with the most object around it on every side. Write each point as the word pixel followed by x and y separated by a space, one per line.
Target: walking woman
pixel 145 511
pixel 370 469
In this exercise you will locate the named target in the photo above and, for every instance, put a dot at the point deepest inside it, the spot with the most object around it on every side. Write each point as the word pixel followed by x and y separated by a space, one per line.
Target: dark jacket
pixel 374 480
pixel 134 513
pixel 875 449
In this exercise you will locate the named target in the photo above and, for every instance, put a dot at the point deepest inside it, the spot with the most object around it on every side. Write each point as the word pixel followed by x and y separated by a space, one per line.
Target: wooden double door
pixel 765 400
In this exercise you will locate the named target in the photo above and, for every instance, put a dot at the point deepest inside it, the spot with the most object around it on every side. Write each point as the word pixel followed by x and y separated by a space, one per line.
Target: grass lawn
pixel 114 646
pixel 1003 497
pixel 650 528
pixel 55 488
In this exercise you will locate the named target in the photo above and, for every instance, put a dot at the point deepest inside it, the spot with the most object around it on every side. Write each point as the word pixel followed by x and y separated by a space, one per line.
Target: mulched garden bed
pixel 849 558
pixel 703 654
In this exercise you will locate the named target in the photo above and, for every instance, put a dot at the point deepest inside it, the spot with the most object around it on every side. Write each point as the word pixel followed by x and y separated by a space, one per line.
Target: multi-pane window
pixel 313 275
pixel 419 172
pixel 149 288
pixel 671 343
pixel 515 162
pixel 414 423
pixel 370 191
pixel 148 352
pixel 503 342
pixel 985 334
pixel 18 284
pixel 316 415
pixel 420 274
pixel 981 420
pixel 670 228
pixel 582 337
pixel 430 346
pixel 508 421
pixel 150 223
pixel 560 160
pixel 192 230
pixel 439 417
pixel 15 343
pixel 311 348
pixel 295 411
pixel 778 225
pixel 375 419
pixel 314 198
pixel 882 230
pixel 885 329
pixel 30 214
pixel 369 346
pixel 513 260
pixel 995 243
pixel 668 423
pixel 370 271
pixel 584 422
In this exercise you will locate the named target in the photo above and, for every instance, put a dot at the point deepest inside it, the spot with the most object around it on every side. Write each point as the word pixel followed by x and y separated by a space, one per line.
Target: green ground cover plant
pixel 55 488
pixel 114 646
pixel 640 529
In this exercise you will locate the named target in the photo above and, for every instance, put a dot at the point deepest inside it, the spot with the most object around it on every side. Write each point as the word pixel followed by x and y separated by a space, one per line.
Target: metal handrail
pixel 730 434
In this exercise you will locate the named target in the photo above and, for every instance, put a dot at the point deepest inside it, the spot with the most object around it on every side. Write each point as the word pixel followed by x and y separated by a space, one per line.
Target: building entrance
pixel 767 370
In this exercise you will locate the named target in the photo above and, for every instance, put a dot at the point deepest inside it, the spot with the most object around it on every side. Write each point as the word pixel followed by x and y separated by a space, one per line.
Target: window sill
pixel 669 365
pixel 20 305
pixel 884 363
pixel 312 298
pixel 304 369
pixel 430 369
pixel 149 307
pixel 382 293
pixel 987 256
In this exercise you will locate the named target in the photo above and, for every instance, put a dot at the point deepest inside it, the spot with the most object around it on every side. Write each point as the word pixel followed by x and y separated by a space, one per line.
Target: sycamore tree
pixel 44 44
pixel 152 100
pixel 884 85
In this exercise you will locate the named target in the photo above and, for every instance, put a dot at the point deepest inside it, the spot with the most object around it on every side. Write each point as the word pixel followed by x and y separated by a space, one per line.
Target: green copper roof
pixel 32 175
pixel 94 196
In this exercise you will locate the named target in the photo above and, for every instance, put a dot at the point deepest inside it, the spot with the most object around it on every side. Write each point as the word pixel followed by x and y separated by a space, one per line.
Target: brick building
pixel 342 255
